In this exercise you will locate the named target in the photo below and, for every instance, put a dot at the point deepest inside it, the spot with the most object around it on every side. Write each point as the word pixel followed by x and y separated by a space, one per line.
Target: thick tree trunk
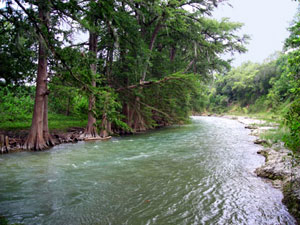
pixel 91 130
pixel 36 139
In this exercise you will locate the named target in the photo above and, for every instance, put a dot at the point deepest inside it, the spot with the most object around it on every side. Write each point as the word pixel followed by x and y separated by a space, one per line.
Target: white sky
pixel 266 21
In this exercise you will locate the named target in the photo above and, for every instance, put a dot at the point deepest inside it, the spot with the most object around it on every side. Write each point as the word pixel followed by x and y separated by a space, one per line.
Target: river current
pixel 201 173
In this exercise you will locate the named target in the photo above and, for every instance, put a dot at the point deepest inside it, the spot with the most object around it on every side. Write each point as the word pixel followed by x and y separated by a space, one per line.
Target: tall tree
pixel 39 137
pixel 91 130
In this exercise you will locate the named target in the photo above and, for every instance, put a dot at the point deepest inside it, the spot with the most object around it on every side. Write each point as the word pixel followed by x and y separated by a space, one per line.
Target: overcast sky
pixel 266 21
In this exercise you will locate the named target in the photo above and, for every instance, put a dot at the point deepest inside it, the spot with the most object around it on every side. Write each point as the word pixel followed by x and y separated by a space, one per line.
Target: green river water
pixel 201 173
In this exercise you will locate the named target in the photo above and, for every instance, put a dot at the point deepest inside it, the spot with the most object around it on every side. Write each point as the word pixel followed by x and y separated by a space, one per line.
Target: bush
pixel 292 120
pixel 261 104
pixel 16 102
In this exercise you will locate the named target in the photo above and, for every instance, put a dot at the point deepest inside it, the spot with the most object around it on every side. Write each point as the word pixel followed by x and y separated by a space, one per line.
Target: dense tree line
pixel 254 86
pixel 143 64
pixel 271 86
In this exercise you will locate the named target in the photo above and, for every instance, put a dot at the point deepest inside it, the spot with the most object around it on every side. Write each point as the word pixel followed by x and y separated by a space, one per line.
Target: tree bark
pixel 105 126
pixel 48 139
pixel 91 130
pixel 39 137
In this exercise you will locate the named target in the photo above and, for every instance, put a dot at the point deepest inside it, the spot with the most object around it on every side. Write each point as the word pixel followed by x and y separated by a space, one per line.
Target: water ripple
pixel 201 173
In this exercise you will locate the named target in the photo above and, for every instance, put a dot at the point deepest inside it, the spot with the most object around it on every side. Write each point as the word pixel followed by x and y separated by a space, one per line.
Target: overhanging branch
pixel 148 83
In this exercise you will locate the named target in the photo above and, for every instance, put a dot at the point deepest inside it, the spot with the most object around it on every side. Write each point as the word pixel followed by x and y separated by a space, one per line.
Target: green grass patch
pixel 62 122
pixel 56 122
pixel 274 135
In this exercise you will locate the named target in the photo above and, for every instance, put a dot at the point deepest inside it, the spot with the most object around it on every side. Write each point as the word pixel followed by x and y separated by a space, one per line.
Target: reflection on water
pixel 200 173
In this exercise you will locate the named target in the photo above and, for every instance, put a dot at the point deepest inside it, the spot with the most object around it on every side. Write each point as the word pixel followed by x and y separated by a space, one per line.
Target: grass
pixel 275 135
pixel 62 122
pixel 56 122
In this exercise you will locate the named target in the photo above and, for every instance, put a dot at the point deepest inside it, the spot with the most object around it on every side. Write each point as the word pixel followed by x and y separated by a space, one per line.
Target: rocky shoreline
pixel 281 167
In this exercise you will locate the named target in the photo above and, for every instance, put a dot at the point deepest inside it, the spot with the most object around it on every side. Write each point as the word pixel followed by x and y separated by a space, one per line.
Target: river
pixel 201 173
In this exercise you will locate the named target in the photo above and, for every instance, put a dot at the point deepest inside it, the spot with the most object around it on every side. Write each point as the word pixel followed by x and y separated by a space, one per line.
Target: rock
pixel 277 183
pixel 263 152
pixel 251 127
pixel 260 142
pixel 280 167
pixel 255 132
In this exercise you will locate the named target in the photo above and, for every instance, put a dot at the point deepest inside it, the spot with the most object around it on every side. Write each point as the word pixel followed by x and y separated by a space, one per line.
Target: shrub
pixel 16 102
pixel 292 120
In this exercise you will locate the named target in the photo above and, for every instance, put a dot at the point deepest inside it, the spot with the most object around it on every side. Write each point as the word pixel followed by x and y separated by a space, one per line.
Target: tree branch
pixel 55 54
pixel 148 83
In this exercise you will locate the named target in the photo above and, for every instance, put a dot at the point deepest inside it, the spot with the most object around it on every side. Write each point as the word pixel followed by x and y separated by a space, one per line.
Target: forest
pixel 127 66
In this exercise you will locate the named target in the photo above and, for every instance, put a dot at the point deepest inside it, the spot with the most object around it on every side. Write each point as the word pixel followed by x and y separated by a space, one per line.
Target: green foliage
pixel 292 120
pixel 67 100
pixel 16 108
pixel 275 135
pixel 161 44
pixel 62 122
pixel 17 53
pixel 259 88
pixel 56 122
pixel 293 115
pixel 16 103
pixel 261 104
pixel 172 101
pixel 108 105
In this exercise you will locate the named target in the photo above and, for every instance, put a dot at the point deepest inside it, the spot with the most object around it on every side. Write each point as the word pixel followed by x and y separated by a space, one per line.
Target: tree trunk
pixel 91 130
pixel 105 126
pixel 36 139
pixel 48 139
pixel 172 53
pixel 68 107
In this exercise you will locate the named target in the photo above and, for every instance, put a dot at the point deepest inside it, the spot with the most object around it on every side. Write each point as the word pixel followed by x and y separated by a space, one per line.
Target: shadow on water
pixel 201 173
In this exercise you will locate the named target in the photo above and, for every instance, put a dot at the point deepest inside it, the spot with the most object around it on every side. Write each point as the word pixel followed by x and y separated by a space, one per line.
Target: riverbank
pixel 281 167
pixel 13 141
pixel 199 173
